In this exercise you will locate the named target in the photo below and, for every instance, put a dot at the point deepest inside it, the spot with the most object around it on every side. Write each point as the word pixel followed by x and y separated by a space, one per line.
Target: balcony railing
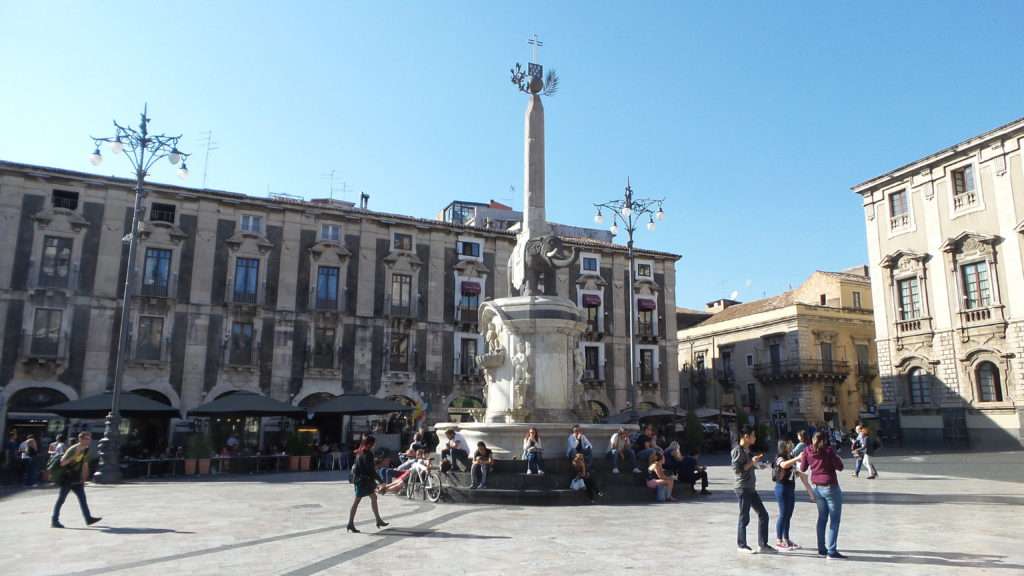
pixel 244 297
pixel 326 304
pixel 965 200
pixel 866 370
pixel 247 356
pixel 593 374
pixel 725 376
pixel 65 203
pixel 802 368
pixel 976 315
pixel 645 329
pixel 45 348
pixel 68 281
pixel 466 366
pixel 593 327
pixel 322 359
pixel 400 311
pixel 899 221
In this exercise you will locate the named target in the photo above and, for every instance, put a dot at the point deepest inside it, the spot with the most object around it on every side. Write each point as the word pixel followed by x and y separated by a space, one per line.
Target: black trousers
pixel 750 499
pixel 454 455
pixel 701 475
pixel 79 490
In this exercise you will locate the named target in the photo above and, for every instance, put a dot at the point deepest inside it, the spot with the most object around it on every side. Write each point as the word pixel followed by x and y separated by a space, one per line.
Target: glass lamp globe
pixel 599 218
pixel 660 215
pixel 174 156
pixel 650 226
pixel 116 146
pixel 183 171
pixel 614 229
pixel 96 158
pixel 626 211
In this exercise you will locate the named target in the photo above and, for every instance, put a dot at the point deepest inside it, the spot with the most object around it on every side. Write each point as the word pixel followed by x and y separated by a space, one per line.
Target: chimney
pixel 364 200
pixel 716 306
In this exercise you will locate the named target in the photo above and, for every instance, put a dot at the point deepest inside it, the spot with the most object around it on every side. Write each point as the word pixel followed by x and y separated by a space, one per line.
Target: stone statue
pixel 493 338
pixel 537 256
pixel 521 375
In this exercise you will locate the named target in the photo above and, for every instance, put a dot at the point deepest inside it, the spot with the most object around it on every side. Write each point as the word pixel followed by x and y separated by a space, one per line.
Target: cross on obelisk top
pixel 536 43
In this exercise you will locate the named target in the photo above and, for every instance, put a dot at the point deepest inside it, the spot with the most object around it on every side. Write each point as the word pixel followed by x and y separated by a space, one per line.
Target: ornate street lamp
pixel 630 212
pixel 143 150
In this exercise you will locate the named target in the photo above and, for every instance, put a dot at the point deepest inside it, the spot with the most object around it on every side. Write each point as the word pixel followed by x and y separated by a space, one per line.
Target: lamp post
pixel 142 150
pixel 630 212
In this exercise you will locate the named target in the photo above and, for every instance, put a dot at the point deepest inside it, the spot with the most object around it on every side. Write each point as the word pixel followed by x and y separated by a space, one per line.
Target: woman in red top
pixel 821 462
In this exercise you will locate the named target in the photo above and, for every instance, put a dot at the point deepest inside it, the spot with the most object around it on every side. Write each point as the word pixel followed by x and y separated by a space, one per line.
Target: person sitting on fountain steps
pixel 455 450
pixel 578 443
pixel 533 452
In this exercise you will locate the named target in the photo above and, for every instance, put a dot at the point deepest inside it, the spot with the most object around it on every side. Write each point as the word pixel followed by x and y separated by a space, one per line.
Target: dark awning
pixel 627 417
pixel 591 301
pixel 98 406
pixel 646 304
pixel 471 288
pixel 247 404
pixel 358 405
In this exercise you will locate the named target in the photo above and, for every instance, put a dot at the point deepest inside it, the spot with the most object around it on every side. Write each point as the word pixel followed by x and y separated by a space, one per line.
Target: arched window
pixel 920 387
pixel 986 377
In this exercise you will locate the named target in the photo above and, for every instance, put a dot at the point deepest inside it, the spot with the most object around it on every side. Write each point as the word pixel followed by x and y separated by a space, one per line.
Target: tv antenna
pixel 333 183
pixel 206 139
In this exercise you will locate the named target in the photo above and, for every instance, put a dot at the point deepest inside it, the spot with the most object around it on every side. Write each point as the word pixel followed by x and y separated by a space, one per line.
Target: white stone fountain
pixel 533 362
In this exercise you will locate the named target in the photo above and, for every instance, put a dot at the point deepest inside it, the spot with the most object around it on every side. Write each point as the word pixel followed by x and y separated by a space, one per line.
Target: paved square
pixel 913 520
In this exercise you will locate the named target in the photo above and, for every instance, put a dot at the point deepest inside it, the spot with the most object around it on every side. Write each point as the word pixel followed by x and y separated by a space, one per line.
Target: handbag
pixel 577 484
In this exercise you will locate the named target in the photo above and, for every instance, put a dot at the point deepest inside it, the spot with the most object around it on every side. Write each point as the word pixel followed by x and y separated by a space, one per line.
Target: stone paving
pixel 905 522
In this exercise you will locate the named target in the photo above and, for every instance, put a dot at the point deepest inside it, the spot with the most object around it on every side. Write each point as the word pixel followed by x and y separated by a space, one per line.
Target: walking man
pixel 743 465
pixel 870 445
pixel 74 471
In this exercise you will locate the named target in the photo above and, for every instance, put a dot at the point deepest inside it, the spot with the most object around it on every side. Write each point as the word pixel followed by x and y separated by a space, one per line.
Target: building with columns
pixel 298 300
pixel 945 242
pixel 806 356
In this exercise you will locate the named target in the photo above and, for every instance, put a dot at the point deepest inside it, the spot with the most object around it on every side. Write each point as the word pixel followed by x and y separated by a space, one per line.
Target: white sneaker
pixel 540 472
pixel 636 470
pixel 745 550
pixel 615 470
pixel 528 471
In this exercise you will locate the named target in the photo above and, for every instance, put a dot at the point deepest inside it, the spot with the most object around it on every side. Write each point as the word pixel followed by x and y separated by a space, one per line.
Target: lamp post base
pixel 109 448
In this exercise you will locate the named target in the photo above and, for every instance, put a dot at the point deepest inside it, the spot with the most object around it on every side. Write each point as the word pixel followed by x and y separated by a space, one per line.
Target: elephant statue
pixel 537 256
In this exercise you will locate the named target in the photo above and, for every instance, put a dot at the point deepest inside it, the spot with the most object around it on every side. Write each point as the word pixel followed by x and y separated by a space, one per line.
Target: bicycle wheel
pixel 432 487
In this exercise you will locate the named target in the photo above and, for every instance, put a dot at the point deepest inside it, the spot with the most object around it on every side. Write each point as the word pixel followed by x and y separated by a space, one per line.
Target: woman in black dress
pixel 365 479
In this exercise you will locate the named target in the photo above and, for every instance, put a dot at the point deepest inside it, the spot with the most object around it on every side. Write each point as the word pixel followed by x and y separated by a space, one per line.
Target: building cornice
pixel 300 205
pixel 940 157
pixel 797 311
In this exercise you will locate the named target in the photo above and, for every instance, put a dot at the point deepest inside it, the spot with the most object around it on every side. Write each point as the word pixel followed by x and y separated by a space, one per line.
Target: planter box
pixel 204 465
pixel 305 462
pixel 190 466
pixel 293 463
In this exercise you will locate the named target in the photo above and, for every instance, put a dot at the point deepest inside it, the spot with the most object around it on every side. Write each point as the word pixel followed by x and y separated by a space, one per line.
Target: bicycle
pixel 426 484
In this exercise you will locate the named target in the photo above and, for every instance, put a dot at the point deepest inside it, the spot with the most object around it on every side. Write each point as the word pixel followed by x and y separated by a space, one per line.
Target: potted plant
pixel 197 454
pixel 295 449
pixel 694 432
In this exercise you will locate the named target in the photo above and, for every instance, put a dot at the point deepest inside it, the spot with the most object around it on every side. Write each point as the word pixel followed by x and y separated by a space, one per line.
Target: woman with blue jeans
pixel 785 494
pixel 532 451
pixel 822 462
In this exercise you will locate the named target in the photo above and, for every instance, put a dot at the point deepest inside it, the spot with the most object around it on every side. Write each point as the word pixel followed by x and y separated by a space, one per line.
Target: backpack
pixel 54 470
pixel 778 472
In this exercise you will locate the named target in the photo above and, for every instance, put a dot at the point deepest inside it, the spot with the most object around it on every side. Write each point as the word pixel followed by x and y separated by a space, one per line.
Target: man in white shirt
pixel 455 450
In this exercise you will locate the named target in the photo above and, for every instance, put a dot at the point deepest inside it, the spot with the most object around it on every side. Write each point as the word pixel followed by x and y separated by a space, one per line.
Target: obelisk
pixel 534 219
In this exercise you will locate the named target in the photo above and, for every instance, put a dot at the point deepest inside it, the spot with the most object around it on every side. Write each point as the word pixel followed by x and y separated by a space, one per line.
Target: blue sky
pixel 753 119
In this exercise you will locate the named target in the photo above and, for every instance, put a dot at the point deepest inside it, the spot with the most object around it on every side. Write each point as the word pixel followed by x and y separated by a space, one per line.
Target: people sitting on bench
pixel 646 444
pixel 619 449
pixel 578 443
pixel 483 460
pixel 456 450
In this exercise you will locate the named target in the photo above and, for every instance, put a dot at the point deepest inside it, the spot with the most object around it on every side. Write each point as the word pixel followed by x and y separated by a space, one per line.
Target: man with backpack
pixel 70 471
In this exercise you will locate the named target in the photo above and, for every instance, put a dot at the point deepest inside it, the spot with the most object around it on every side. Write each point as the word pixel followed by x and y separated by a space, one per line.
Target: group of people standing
pixel 816 465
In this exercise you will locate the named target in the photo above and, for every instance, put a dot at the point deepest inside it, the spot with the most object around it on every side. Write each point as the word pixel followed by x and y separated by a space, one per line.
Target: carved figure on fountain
pixel 533 257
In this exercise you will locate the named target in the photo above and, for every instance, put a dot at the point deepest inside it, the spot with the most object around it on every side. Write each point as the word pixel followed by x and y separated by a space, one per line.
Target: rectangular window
pixel 856 300
pixel 645 322
pixel 470 249
pixel 56 263
pixel 247 274
pixel 726 357
pixel 46 332
pixel 151 331
pixel 162 213
pixel 700 362
pixel 589 264
pixel 643 270
pixel 593 319
pixel 752 394
pixel 403 242
pixel 156 272
pixel 327 287
pixel 647 365
pixel 910 299
pixel 323 347
pixel 775 356
pixel 592 360
pixel 399 351
pixel 401 294
pixel 977 288
pixel 920 387
pixel 750 360
pixel 469 303
pixel 330 232
pixel 252 223
pixel 899 212
pixel 823 299
pixel 242 344
pixel 467 356
pixel 826 356
pixel 65 199
pixel 863 358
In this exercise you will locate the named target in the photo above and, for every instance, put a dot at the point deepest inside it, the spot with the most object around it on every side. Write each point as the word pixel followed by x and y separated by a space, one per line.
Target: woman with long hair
pixel 822 463
pixel 785 493
pixel 656 476
pixel 533 451
pixel 579 465
pixel 365 479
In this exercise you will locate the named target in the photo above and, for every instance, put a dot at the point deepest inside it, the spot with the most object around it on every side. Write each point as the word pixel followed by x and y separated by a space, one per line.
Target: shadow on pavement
pixel 131 530
pixel 413 533
pixel 945 559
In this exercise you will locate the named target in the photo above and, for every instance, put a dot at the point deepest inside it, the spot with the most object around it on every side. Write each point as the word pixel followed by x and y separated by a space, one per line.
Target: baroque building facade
pixel 298 300
pixel 945 241
pixel 806 356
